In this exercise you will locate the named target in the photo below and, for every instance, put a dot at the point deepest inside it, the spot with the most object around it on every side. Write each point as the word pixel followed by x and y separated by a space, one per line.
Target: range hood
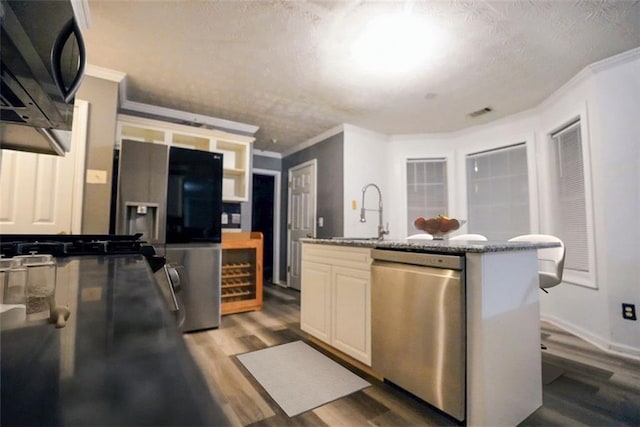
pixel 34 139
pixel 42 65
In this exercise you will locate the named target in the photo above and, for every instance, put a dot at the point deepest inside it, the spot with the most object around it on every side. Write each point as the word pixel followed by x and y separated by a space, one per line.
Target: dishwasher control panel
pixel 454 262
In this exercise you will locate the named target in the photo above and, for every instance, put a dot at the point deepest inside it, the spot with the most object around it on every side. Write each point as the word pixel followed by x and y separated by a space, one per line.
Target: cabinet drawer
pixel 359 258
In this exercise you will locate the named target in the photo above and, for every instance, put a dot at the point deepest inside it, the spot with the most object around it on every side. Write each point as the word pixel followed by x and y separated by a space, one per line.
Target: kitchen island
pixel 119 359
pixel 502 359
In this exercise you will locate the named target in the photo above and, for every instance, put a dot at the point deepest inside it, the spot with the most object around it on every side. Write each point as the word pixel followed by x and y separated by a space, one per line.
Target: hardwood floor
pixel 596 389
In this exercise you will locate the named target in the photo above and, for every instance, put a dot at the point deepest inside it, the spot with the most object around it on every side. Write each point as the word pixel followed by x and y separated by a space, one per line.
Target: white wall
pixel 404 147
pixel 365 161
pixel 616 146
pixel 606 96
pixel 455 147
pixel 611 98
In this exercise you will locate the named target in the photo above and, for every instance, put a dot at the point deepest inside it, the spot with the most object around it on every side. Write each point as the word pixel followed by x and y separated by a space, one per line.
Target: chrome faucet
pixel 363 218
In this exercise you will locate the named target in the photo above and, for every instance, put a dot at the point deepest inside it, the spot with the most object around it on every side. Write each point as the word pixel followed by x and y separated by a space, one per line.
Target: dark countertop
pixel 120 360
pixel 435 246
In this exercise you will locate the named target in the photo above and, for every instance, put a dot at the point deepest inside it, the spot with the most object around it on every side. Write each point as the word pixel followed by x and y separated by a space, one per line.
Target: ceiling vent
pixel 480 112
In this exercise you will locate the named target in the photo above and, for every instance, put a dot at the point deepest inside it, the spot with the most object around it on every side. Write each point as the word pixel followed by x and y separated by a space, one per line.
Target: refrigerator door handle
pixel 174 277
pixel 175 287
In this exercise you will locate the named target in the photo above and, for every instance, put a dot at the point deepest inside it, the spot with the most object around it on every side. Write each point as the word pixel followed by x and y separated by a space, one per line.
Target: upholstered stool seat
pixel 470 237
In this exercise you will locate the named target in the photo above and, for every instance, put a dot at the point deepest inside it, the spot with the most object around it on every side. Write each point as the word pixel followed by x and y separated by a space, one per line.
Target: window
pixel 426 190
pixel 568 204
pixel 498 192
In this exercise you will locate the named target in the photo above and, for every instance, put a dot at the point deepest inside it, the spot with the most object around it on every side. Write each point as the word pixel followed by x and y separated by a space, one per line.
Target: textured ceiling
pixel 288 66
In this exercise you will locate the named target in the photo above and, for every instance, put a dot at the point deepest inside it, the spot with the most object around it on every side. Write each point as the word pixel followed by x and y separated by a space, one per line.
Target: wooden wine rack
pixel 241 272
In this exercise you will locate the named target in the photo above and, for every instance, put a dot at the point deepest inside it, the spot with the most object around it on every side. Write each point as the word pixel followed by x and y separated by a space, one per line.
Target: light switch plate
pixel 92 293
pixel 95 176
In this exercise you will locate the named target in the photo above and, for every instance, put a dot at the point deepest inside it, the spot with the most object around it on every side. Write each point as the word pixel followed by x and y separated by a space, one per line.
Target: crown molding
pixel 588 71
pixel 105 73
pixel 155 111
pixel 185 116
pixel 347 127
pixel 316 139
pixel 265 153
pixel 614 61
pixel 161 112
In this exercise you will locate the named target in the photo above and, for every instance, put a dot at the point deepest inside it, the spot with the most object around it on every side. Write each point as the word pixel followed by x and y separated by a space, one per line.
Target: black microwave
pixel 43 62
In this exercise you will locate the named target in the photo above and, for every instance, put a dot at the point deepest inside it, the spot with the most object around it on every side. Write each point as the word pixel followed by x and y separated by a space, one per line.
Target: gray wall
pixel 330 182
pixel 102 96
pixel 264 162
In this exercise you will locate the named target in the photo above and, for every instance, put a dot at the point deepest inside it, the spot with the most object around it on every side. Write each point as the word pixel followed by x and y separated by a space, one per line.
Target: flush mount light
pixel 395 43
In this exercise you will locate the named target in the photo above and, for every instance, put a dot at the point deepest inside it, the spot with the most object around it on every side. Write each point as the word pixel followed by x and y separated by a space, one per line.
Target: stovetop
pixel 63 245
pixel 119 359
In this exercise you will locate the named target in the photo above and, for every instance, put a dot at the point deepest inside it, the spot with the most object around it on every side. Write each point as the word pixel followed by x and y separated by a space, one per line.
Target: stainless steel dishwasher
pixel 418 325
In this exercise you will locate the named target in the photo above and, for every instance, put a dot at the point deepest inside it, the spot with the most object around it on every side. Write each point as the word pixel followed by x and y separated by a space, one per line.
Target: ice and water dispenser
pixel 142 218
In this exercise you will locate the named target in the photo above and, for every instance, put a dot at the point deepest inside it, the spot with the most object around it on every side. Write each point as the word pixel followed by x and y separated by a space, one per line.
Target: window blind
pixel 498 192
pixel 426 190
pixel 569 221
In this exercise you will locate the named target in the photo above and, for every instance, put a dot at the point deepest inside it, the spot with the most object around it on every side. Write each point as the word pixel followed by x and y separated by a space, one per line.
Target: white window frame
pixel 429 159
pixel 451 183
pixel 502 149
pixel 532 168
pixel 575 277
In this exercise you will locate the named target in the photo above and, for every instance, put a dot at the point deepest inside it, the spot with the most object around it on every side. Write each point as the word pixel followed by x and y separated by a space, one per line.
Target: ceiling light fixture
pixel 395 43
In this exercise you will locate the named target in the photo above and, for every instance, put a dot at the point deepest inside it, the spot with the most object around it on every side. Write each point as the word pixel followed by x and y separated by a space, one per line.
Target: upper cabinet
pixel 236 149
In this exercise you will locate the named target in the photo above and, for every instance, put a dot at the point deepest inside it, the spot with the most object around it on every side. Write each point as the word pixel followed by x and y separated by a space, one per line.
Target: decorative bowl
pixel 439 226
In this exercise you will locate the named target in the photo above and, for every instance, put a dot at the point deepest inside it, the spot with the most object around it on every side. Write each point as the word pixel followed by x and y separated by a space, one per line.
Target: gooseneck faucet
pixel 363 218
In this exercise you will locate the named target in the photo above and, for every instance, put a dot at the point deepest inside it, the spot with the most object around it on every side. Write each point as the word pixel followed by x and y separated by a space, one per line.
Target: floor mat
pixel 300 378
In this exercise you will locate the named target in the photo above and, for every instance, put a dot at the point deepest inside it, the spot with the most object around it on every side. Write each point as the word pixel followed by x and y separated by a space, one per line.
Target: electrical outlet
pixel 629 311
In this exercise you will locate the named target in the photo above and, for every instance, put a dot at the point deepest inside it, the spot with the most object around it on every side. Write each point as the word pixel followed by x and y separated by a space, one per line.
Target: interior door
pixel 262 217
pixel 302 215
pixel 42 194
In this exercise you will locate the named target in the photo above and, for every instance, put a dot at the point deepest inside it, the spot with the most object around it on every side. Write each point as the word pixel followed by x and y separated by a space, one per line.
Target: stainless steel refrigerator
pixel 173 196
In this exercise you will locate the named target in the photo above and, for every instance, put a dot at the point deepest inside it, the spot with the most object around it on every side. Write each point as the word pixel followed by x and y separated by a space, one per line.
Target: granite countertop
pixel 120 359
pixel 433 246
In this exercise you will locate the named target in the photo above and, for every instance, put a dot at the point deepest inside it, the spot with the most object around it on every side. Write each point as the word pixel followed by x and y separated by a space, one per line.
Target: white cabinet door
pixel 315 300
pixel 336 298
pixel 351 312
pixel 40 194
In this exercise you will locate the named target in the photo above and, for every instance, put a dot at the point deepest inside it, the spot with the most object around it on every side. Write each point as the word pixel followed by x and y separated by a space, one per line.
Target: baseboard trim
pixel 280 283
pixel 612 348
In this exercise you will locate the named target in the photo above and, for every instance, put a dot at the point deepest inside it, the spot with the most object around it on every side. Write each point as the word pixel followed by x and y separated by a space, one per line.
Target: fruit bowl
pixel 439 226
